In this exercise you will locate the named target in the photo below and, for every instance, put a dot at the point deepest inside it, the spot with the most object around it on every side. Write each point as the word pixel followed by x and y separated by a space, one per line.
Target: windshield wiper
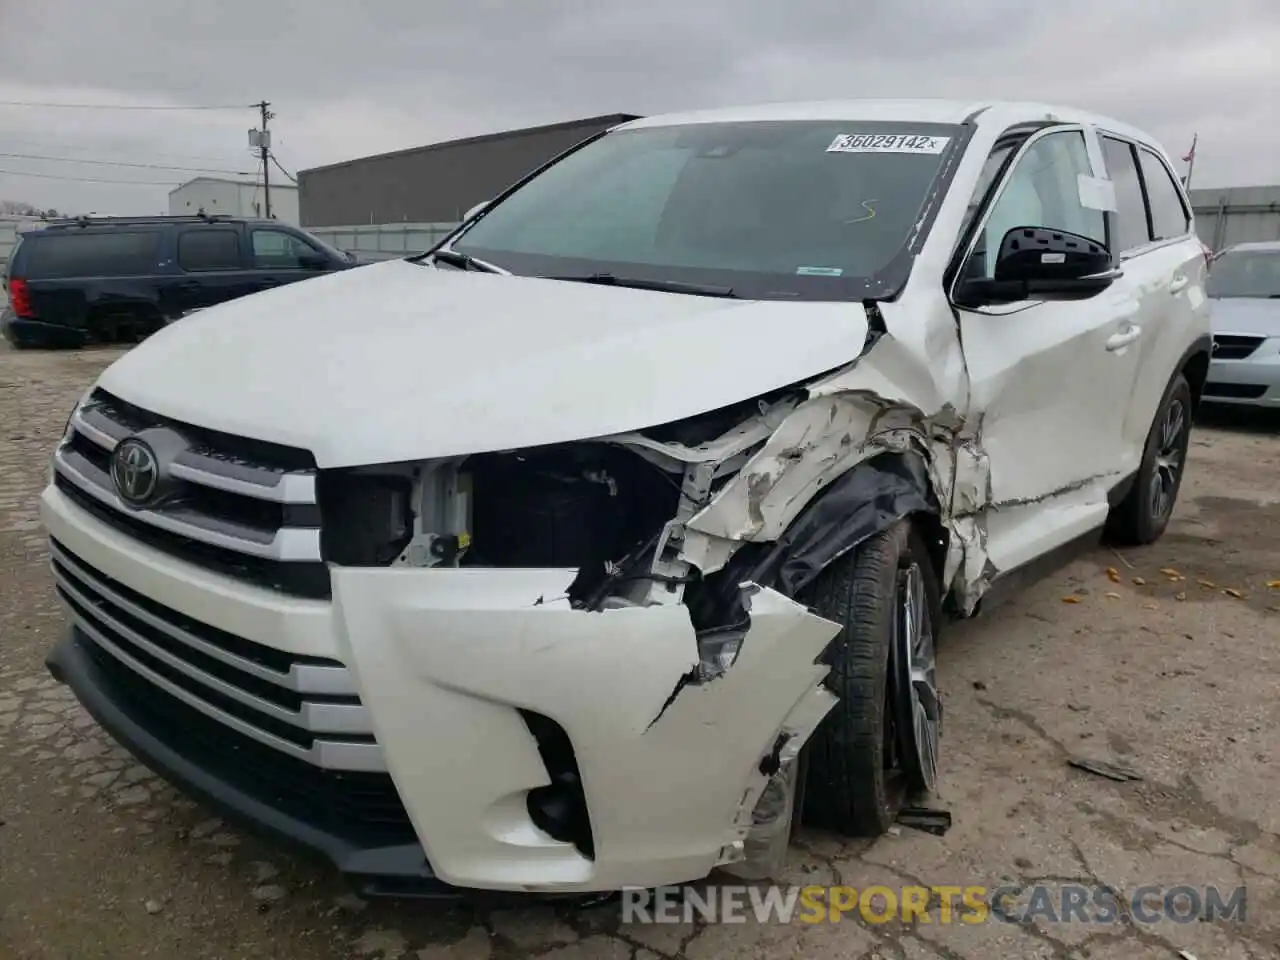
pixel 463 261
pixel 638 283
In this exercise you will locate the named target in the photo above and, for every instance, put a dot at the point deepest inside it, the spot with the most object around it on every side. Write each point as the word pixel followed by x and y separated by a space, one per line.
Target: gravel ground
pixel 1177 678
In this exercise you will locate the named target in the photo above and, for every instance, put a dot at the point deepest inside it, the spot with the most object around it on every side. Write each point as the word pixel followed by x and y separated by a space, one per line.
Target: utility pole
pixel 262 140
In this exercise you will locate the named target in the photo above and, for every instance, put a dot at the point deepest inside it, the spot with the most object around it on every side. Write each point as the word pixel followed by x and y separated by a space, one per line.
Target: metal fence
pixel 384 241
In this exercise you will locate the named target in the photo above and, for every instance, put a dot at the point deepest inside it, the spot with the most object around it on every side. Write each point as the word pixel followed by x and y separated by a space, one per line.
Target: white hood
pixel 1259 317
pixel 400 361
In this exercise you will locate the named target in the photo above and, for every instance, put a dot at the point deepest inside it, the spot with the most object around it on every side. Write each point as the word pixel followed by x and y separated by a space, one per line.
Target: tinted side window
pixel 1131 209
pixel 1168 216
pixel 276 248
pixel 59 254
pixel 200 250
pixel 1042 190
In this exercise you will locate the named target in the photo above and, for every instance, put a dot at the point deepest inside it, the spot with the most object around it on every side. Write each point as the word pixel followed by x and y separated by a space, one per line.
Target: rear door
pixel 212 267
pixel 1050 380
pixel 280 256
pixel 1161 256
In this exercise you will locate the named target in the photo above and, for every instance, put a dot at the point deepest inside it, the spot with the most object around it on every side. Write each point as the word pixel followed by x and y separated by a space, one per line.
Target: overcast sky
pixel 347 80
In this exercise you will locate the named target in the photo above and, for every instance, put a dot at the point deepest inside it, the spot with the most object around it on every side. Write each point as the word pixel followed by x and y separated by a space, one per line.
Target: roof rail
pixel 90 221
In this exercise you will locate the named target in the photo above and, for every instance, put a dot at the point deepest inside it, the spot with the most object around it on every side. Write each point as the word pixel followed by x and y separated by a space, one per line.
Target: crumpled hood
pixel 400 361
pixel 1246 315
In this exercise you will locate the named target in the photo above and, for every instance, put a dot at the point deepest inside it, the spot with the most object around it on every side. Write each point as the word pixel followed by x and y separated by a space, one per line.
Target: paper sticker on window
pixel 1096 193
pixel 887 143
pixel 820 271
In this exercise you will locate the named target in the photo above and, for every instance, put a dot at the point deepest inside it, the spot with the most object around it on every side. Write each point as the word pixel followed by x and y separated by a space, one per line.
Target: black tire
pixel 854 784
pixel 1137 520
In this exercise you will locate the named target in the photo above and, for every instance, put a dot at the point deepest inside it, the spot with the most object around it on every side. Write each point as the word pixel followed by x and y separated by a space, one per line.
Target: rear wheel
pixel 1141 517
pixel 880 743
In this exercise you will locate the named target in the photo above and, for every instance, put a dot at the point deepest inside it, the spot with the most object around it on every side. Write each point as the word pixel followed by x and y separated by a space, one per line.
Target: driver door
pixel 280 257
pixel 1050 380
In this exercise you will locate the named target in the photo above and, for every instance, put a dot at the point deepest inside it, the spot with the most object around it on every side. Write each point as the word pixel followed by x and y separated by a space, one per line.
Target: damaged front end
pixel 728 515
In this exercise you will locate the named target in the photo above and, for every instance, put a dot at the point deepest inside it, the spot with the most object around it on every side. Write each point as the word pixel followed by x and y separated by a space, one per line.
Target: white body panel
pixel 1028 416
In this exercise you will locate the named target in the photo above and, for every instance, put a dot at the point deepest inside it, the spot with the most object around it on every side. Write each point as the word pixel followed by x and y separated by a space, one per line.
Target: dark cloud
pixel 348 80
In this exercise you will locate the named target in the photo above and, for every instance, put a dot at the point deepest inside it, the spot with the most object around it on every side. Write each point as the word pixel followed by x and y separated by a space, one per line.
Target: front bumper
pixel 1253 381
pixel 449 664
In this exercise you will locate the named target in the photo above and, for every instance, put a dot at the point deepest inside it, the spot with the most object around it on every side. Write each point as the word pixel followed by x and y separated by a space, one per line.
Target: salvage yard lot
pixel 1169 665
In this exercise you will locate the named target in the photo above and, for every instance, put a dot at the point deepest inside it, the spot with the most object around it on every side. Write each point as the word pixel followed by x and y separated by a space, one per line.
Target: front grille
pixel 1235 391
pixel 1234 346
pixel 361 807
pixel 304 708
pixel 240 507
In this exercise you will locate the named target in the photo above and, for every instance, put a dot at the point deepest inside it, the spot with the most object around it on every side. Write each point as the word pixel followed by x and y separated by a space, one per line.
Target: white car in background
pixel 1244 289
pixel 610 539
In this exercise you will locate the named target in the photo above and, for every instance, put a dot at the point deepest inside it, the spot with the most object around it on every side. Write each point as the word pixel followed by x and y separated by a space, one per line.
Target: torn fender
pixel 859 504
pixel 819 441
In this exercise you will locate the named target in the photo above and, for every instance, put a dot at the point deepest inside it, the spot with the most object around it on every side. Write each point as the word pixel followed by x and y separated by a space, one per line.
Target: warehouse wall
pixel 436 183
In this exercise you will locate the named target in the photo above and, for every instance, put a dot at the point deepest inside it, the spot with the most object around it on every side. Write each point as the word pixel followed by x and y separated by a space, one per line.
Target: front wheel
pixel 1141 517
pixel 880 742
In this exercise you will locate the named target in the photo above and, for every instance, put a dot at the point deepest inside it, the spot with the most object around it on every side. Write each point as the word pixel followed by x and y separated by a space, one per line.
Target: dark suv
pixel 119 279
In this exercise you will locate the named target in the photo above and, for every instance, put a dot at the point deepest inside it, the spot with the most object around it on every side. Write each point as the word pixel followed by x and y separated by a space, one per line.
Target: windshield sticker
pixel 887 143
pixel 820 271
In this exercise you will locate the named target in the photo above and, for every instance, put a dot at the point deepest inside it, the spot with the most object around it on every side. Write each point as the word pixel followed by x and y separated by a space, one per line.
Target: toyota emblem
pixel 134 471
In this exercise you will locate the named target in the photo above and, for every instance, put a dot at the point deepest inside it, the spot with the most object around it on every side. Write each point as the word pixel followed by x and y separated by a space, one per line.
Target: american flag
pixel 1191 154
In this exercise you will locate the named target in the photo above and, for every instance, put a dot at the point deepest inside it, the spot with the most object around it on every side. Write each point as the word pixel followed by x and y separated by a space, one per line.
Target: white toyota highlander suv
pixel 601 545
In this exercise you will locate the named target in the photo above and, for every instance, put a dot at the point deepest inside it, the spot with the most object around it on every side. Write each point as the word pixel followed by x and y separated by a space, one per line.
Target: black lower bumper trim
pixel 400 871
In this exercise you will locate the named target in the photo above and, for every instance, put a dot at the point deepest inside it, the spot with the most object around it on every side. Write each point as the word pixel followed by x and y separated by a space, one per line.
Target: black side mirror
pixel 1037 263
pixel 313 261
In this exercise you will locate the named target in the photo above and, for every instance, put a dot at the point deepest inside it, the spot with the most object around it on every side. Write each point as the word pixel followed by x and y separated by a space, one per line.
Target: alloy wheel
pixel 919 706
pixel 1170 452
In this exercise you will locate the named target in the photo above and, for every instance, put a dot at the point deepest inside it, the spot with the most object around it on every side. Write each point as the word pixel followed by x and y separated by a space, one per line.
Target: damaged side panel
pixel 891 401
pixel 1052 391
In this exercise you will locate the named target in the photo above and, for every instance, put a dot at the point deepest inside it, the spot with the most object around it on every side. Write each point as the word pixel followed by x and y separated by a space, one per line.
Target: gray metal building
pixel 435 183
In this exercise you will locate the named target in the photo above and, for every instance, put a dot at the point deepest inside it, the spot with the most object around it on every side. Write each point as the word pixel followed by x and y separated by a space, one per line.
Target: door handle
pixel 1178 284
pixel 1118 341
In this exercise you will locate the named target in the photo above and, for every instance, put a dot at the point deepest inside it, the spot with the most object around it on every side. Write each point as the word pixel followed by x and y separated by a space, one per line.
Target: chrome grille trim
pixel 97 609
pixel 314 717
pixel 286 544
pixel 364 757
pixel 302 677
pixel 271 485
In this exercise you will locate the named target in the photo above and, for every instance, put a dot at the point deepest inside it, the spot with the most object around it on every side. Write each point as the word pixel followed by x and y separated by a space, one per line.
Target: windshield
pixel 821 210
pixel 1245 273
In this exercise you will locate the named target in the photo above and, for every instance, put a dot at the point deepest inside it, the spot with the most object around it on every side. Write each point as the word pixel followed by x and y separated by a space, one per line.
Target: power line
pixel 125 163
pixel 278 164
pixel 54 176
pixel 127 106
pixel 62 145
